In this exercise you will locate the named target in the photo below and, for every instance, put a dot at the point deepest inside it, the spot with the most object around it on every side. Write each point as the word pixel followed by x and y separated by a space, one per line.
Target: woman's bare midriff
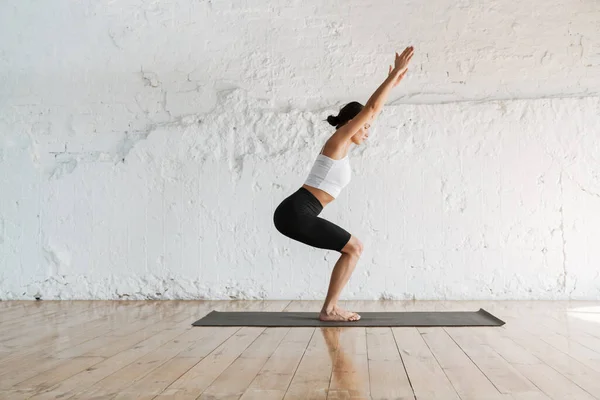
pixel 324 197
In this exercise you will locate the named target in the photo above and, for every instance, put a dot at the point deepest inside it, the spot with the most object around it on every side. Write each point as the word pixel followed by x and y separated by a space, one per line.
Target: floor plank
pixel 387 374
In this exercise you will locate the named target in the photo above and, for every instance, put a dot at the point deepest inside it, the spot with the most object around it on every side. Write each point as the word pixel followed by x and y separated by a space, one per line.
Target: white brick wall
pixel 144 148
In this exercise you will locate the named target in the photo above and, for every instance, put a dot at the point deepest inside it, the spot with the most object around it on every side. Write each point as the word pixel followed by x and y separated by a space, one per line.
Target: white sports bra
pixel 330 175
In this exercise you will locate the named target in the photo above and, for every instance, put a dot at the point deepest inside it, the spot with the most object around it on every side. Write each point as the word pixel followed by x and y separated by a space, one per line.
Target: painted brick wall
pixel 145 145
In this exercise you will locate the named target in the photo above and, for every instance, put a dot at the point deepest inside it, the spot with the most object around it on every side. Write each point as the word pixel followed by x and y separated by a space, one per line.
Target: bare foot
pixel 338 314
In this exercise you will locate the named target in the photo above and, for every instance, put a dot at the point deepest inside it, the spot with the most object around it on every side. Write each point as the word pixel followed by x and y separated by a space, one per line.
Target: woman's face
pixel 361 135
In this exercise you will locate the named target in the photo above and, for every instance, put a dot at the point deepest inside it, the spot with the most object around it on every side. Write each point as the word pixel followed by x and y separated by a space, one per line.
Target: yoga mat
pixel 385 319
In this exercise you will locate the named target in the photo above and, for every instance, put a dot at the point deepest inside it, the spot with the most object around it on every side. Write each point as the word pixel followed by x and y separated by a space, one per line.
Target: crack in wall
pixel 582 188
pixel 563 282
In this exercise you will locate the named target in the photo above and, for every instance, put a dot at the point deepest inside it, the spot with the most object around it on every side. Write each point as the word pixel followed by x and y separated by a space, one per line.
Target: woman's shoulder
pixel 335 149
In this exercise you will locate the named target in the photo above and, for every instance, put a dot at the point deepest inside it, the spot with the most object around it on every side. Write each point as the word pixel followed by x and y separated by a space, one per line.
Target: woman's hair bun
pixel 335 121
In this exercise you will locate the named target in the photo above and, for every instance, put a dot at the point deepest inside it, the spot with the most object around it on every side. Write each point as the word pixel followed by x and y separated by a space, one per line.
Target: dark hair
pixel 347 112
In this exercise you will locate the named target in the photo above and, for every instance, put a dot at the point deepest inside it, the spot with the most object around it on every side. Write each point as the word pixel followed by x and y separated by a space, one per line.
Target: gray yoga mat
pixel 292 319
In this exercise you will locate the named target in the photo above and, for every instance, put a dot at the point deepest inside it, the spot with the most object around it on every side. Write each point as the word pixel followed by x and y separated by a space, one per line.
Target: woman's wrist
pixel 396 72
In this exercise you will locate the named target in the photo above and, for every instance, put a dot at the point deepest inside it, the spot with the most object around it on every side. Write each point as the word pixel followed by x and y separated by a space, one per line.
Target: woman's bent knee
pixel 354 247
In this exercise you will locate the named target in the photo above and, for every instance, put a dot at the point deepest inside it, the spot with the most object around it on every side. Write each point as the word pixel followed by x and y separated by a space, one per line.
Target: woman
pixel 297 216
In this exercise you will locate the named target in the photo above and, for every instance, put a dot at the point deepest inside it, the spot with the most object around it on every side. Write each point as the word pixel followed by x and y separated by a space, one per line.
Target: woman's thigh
pixel 320 233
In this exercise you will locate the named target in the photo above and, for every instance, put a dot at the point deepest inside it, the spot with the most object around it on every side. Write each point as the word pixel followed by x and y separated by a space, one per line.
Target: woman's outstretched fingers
pixel 402 60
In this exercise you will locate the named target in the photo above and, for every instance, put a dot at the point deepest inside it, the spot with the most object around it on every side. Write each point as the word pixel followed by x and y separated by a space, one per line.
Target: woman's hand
pixel 401 64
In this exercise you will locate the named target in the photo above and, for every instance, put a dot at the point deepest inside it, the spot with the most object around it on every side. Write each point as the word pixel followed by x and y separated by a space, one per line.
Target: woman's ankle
pixel 327 308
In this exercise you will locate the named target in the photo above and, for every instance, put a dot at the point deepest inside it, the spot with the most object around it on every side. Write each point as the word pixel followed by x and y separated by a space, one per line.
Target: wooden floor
pixel 148 350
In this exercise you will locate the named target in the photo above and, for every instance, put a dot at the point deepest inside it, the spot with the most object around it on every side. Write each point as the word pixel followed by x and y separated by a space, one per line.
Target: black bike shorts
pixel 297 218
